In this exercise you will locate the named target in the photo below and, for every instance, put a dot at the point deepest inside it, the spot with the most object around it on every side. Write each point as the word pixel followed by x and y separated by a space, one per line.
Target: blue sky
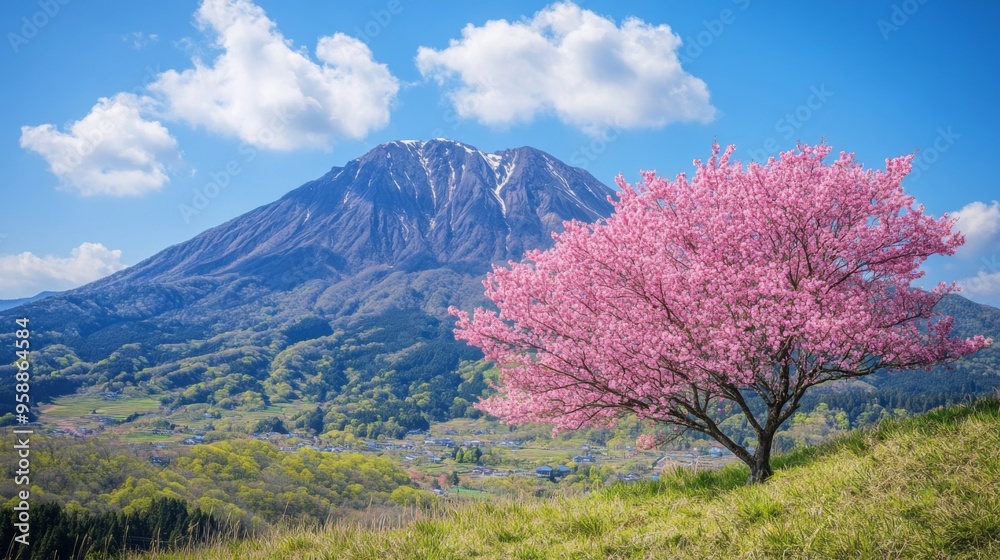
pixel 132 126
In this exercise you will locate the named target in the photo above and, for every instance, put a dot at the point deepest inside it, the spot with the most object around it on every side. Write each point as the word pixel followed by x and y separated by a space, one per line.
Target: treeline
pixel 252 482
pixel 864 408
pixel 894 396
pixel 891 395
pixel 57 532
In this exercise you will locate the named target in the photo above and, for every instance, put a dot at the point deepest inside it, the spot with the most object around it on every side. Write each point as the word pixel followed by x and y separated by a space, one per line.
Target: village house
pixel 547 471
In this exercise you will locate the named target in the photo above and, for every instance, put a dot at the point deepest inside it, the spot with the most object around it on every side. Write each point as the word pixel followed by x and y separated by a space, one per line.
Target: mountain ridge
pixel 6 304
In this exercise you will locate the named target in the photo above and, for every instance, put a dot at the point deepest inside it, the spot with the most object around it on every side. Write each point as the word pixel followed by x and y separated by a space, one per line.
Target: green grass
pixel 80 406
pixel 927 487
pixel 468 491
pixel 144 437
pixel 279 410
pixel 77 406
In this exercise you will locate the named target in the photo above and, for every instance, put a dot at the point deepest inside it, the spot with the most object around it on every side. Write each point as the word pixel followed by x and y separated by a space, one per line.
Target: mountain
pixel 405 207
pixel 12 303
pixel 342 280
pixel 415 205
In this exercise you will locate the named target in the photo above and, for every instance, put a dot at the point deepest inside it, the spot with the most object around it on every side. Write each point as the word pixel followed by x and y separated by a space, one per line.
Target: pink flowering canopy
pixel 763 279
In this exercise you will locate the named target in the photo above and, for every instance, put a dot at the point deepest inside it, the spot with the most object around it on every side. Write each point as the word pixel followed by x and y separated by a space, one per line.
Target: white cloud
pixel 980 223
pixel 139 39
pixel 984 287
pixel 258 89
pixel 111 151
pixel 571 62
pixel 27 274
pixel 265 93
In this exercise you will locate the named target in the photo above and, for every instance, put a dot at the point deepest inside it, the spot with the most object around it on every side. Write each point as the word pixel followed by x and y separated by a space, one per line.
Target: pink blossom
pixel 645 442
pixel 745 282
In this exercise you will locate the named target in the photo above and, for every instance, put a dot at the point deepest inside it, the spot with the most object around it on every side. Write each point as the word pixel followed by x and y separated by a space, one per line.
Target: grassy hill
pixel 927 487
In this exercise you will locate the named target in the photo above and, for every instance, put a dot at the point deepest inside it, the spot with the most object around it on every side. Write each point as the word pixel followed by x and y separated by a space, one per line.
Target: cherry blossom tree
pixel 735 291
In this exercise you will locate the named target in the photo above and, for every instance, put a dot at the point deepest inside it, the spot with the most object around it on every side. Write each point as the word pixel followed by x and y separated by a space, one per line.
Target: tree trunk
pixel 760 470
pixel 760 463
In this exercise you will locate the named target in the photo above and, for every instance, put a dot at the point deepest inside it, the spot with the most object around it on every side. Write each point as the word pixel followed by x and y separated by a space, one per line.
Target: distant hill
pixel 12 303
pixel 919 391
